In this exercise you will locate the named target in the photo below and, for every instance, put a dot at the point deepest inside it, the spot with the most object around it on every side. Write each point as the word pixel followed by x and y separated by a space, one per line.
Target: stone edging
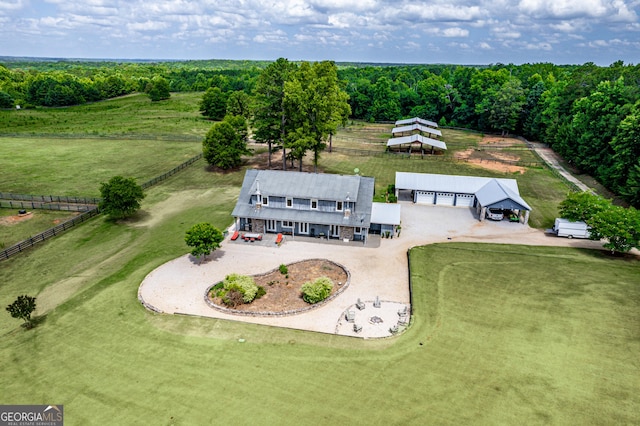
pixel 282 313
pixel 145 304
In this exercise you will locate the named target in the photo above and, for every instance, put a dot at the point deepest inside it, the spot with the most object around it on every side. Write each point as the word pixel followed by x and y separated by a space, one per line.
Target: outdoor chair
pixel 350 316
pixel 360 305
pixel 357 328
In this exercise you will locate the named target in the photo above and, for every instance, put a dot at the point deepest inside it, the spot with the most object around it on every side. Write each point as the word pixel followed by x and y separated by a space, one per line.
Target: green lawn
pixel 501 335
pixel 134 114
pixel 77 167
pixel 33 224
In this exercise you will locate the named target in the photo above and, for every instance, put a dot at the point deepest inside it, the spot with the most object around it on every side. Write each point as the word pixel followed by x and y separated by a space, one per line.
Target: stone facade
pixel 346 233
pixel 258 226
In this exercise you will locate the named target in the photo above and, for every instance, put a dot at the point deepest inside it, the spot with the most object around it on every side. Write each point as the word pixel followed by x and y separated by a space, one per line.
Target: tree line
pixel 587 113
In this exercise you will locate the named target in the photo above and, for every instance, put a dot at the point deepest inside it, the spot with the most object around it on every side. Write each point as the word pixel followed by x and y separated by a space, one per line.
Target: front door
pixel 334 231
pixel 271 225
pixel 303 228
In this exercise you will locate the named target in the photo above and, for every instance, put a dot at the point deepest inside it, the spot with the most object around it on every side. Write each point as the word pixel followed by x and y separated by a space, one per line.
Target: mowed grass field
pixel 501 334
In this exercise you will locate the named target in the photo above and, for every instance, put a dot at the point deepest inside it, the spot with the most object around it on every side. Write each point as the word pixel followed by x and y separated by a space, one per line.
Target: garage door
pixel 424 197
pixel 444 199
pixel 464 200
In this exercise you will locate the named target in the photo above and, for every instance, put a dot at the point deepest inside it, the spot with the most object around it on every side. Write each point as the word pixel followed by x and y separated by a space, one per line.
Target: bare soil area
pixel 493 160
pixel 12 220
pixel 283 291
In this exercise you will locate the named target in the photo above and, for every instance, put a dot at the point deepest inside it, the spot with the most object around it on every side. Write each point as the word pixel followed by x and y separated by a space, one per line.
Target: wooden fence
pixel 171 172
pixel 49 233
pixel 78 204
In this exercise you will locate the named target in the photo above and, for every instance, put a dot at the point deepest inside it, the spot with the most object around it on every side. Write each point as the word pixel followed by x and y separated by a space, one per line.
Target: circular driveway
pixel 179 286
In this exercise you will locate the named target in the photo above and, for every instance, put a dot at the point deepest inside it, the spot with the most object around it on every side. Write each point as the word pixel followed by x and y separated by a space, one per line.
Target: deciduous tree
pixel 120 197
pixel 22 308
pixel 224 145
pixel 203 238
pixel 213 104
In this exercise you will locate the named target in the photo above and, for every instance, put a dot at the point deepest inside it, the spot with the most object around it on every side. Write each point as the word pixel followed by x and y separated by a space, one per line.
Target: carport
pixel 495 195
pixel 462 191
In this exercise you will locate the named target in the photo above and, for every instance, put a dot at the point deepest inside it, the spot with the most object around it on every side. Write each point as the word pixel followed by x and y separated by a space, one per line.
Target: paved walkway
pixel 179 286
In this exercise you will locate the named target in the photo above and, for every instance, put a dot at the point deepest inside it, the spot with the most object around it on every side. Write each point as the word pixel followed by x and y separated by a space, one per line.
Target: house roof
pixel 416 120
pixel 358 189
pixel 497 194
pixel 302 185
pixel 490 192
pixel 416 138
pixel 419 127
pixel 385 214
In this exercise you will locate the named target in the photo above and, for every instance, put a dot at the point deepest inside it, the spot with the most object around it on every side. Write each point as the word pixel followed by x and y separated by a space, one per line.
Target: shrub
pixel 233 298
pixel 283 269
pixel 243 284
pixel 316 291
pixel 261 292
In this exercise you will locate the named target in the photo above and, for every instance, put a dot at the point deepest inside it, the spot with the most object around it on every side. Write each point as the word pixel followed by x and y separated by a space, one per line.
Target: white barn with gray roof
pixel 308 204
pixel 465 191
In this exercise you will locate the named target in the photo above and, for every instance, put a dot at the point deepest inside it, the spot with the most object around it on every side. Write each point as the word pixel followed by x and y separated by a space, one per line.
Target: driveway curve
pixel 179 286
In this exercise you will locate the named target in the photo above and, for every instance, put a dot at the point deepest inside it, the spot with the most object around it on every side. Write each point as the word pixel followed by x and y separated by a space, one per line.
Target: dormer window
pixel 314 204
pixel 265 201
pixel 339 205
pixel 289 202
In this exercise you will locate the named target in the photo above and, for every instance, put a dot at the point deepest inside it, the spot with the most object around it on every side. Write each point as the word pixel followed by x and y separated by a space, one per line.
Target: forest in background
pixel 587 113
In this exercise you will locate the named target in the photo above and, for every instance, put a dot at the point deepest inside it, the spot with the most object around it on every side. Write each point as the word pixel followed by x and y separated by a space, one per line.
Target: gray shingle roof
pixel 319 186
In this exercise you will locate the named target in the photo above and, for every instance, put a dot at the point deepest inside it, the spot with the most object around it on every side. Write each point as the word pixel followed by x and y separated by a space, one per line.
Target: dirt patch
pixel 283 291
pixel 498 161
pixel 501 140
pixel 12 220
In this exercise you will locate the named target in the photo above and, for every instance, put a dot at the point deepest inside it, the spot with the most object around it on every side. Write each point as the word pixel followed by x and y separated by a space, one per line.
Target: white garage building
pixel 463 191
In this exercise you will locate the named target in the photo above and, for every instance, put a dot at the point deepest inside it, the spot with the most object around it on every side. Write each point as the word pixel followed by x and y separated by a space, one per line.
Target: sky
pixel 378 31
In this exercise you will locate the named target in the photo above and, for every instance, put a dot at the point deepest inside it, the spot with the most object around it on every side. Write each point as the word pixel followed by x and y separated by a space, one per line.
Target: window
pixel 314 204
pixel 289 202
pixel 339 206
pixel 287 224
pixel 357 230
pixel 265 201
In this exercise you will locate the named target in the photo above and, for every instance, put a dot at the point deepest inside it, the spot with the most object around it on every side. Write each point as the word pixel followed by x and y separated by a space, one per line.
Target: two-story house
pixel 309 204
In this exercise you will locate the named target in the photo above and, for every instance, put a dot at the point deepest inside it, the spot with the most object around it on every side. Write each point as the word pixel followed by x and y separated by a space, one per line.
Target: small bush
pixel 242 283
pixel 261 292
pixel 316 291
pixel 283 269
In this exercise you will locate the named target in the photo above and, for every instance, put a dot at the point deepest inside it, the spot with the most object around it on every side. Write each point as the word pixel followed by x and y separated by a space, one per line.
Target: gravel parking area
pixel 378 269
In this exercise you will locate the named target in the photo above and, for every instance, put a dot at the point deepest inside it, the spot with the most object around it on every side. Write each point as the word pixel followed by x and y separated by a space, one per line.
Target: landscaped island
pixel 282 288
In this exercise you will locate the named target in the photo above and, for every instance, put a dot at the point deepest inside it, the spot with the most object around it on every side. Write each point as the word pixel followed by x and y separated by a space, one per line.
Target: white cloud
pixel 147 26
pixel 455 32
pixel 485 46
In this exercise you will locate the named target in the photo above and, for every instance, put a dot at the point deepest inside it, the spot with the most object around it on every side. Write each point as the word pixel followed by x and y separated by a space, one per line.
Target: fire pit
pixel 375 320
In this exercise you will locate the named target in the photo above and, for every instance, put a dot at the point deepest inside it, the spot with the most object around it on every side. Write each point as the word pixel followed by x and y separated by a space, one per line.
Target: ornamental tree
pixel 22 308
pixel 203 238
pixel 120 197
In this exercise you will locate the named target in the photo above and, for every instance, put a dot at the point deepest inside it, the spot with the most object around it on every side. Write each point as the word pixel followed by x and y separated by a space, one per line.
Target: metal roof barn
pixel 416 138
pixel 417 120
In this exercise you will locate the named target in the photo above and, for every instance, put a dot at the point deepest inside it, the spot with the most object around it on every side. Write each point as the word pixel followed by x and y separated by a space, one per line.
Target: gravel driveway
pixel 179 286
